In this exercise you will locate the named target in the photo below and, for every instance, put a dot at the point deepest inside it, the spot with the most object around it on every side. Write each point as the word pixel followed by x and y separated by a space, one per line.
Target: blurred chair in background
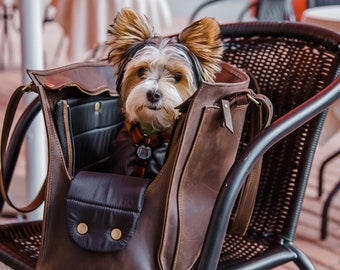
pixel 85 23
pixel 317 3
pixel 262 10
pixel 7 17
pixel 330 196
pixel 9 9
pixel 270 10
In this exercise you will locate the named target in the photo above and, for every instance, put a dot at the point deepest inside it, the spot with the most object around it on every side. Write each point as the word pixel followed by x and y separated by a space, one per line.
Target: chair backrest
pixel 270 10
pixel 291 64
pixel 275 10
pixel 265 10
pixel 316 3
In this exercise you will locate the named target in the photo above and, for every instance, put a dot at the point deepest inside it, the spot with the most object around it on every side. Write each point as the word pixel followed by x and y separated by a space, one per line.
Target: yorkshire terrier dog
pixel 154 75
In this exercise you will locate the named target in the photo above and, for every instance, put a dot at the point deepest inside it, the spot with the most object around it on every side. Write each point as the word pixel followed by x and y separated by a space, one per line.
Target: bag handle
pixel 8 160
pixel 261 116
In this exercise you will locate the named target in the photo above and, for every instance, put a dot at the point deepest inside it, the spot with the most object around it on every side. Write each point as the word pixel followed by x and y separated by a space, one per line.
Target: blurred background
pixel 73 29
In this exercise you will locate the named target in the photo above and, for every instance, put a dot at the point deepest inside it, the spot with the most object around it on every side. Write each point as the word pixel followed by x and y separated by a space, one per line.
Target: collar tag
pixel 144 152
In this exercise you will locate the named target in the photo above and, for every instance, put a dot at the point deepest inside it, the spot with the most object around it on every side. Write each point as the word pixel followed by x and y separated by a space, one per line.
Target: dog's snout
pixel 154 96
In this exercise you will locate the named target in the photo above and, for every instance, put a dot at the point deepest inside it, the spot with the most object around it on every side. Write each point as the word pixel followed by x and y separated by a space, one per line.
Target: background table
pixel 325 16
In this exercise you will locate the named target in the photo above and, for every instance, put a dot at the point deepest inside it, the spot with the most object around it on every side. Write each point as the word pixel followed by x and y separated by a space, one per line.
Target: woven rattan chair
pixel 293 64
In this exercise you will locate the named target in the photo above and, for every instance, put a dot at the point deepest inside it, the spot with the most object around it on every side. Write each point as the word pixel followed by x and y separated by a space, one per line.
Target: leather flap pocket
pixel 103 209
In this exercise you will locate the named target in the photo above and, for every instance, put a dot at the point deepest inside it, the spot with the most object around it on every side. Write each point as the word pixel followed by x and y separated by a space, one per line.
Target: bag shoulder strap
pixel 261 116
pixel 6 171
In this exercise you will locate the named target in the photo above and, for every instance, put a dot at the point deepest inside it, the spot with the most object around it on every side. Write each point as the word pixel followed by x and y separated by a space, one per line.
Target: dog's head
pixel 155 74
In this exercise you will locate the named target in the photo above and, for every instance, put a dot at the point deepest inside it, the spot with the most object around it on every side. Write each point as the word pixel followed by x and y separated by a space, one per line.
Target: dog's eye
pixel 141 72
pixel 177 77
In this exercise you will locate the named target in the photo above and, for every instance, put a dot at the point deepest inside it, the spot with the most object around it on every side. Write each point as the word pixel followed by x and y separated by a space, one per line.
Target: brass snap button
pixel 82 228
pixel 97 106
pixel 116 234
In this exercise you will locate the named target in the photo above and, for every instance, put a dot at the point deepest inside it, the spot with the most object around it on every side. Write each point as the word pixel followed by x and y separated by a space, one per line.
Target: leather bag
pixel 97 220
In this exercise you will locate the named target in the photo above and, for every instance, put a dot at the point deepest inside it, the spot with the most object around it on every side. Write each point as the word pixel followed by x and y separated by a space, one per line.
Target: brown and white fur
pixel 156 74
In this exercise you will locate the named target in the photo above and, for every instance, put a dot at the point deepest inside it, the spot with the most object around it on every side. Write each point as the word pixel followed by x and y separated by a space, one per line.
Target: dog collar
pixel 145 144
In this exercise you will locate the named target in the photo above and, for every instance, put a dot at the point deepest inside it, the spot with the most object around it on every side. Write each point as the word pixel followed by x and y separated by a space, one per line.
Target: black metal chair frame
pixel 262 7
pixel 316 3
pixel 330 196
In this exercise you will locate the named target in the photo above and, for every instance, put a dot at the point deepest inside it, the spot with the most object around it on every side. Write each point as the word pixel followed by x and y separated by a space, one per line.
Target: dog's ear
pixel 128 29
pixel 202 38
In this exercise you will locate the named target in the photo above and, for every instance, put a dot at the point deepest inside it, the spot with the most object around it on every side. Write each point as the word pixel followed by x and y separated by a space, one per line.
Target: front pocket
pixel 103 209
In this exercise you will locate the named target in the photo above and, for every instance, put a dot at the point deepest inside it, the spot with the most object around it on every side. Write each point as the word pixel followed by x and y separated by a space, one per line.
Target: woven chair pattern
pixel 20 243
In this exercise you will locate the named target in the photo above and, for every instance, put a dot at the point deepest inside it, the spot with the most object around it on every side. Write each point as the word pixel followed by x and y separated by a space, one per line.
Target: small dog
pixel 154 75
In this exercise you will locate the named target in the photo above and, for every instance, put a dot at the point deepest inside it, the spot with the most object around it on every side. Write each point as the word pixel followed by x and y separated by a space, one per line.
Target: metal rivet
pixel 50 85
pixel 97 106
pixel 116 234
pixel 82 228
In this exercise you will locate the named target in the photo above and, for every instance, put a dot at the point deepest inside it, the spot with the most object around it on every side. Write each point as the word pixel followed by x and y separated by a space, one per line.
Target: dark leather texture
pixel 105 203
pixel 90 78
pixel 92 124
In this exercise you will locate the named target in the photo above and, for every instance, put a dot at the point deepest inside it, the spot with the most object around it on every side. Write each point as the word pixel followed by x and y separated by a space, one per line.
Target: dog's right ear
pixel 128 29
pixel 203 39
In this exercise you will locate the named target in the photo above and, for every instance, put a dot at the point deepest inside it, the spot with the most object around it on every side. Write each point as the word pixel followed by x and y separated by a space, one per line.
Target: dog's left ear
pixel 202 38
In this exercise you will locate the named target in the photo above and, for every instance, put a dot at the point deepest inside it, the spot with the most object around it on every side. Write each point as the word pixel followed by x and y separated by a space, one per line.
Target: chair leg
pixel 7 16
pixel 302 261
pixel 322 168
pixel 4 36
pixel 325 210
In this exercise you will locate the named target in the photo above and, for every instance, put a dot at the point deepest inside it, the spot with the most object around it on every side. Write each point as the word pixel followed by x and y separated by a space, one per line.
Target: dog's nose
pixel 154 96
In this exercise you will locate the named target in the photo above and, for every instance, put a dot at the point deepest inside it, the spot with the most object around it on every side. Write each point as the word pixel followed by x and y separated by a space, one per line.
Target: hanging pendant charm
pixel 144 152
